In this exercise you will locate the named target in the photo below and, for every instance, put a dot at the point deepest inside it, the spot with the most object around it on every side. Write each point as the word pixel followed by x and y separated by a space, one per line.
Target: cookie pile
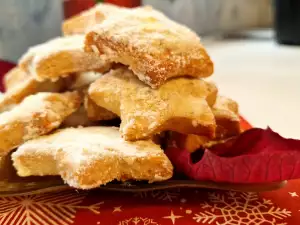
pixel 135 65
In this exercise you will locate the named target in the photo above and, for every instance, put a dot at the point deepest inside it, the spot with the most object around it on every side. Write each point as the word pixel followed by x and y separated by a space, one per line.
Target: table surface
pixel 264 78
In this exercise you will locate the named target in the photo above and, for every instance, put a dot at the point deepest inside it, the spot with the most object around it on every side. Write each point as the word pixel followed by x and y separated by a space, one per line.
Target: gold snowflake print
pixel 235 208
pixel 138 221
pixel 51 208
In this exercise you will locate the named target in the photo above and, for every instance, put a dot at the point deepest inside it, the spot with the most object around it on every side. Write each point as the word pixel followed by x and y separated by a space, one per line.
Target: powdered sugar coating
pixel 88 157
pixel 53 46
pixel 26 87
pixel 36 115
pixel 154 47
pixel 80 23
pixel 84 79
pixel 61 57
pixel 176 105
pixel 14 77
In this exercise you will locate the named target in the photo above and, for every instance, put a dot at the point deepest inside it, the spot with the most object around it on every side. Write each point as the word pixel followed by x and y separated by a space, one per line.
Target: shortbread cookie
pixel 78 118
pixel 189 142
pixel 59 57
pixel 36 115
pixel 14 77
pixel 154 47
pixel 80 23
pixel 178 105
pixel 89 157
pixel 228 125
pixel 96 112
pixel 83 79
pixel 28 86
pixel 226 112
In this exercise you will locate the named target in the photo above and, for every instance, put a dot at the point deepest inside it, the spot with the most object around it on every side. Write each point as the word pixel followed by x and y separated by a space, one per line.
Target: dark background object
pixel 73 7
pixel 287 21
pixel 5 66
pixel 126 3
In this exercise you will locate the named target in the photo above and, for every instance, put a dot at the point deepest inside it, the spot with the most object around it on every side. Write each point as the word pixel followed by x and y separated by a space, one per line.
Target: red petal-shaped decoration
pixel 4 68
pixel 255 156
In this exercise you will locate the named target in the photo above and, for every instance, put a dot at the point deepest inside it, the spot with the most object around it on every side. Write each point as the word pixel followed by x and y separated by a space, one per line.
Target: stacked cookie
pixel 133 64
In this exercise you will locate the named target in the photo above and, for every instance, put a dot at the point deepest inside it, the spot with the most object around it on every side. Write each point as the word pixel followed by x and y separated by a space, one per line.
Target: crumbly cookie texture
pixel 227 118
pixel 154 47
pixel 36 115
pixel 181 104
pixel 60 57
pixel 89 157
pixel 226 112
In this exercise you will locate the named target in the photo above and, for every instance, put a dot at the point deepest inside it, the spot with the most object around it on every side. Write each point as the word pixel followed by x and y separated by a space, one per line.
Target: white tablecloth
pixel 264 78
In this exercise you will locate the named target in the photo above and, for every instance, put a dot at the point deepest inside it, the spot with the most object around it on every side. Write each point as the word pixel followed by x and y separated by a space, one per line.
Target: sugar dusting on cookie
pixel 153 46
pixel 178 105
pixel 61 57
pixel 37 115
pixel 75 153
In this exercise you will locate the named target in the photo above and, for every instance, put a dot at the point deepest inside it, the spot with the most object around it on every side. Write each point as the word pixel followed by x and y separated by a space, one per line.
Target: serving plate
pixel 38 186
pixel 12 184
pixel 25 188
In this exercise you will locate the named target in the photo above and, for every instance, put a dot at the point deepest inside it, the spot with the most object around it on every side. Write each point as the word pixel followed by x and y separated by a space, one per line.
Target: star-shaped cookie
pixel 154 47
pixel 181 104
pixel 92 156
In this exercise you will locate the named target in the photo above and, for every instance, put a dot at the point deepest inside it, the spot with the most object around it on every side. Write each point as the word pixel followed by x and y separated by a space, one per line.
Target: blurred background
pixel 28 22
pixel 254 45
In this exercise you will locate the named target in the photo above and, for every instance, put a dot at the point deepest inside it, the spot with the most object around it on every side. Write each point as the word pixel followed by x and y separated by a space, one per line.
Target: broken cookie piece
pixel 89 157
pixel 227 118
pixel 226 112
